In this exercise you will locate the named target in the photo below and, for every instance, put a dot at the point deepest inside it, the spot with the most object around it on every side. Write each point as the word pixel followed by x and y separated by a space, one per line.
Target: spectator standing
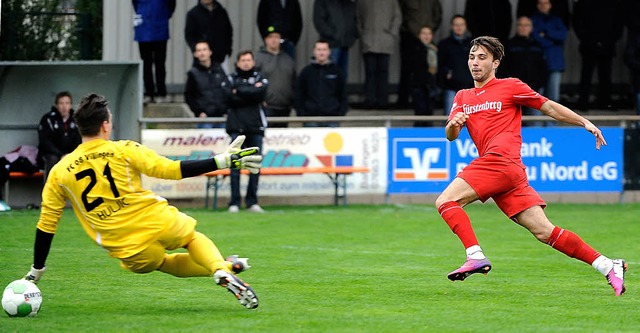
pixel 558 8
pixel 524 59
pixel 280 69
pixel 489 18
pixel 209 21
pixel 453 53
pixel 151 31
pixel 336 22
pixel 246 94
pixel 204 88
pixel 284 15
pixel 423 80
pixel 415 15
pixel 632 49
pixel 550 31
pixel 58 133
pixel 320 88
pixel 379 23
pixel 598 27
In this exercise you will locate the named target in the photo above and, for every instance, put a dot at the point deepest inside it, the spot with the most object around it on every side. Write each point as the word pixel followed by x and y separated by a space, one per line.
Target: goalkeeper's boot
pixel 615 277
pixel 238 265
pixel 240 289
pixel 469 267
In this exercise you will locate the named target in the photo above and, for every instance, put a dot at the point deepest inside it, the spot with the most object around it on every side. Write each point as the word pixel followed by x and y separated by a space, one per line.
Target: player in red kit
pixel 492 113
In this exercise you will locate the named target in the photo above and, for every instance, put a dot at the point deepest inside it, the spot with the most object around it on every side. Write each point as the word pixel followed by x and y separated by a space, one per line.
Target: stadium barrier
pixel 337 175
pixel 387 121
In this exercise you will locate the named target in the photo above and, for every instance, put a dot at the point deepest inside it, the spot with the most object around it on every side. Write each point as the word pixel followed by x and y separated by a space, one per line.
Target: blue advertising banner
pixel 558 159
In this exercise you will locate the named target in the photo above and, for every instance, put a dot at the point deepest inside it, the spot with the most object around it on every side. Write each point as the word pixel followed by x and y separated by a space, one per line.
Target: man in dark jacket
pixel 209 21
pixel 423 79
pixel 286 16
pixel 379 23
pixel 203 90
pixel 58 133
pixel 453 53
pixel 415 15
pixel 245 95
pixel 320 89
pixel 524 59
pixel 337 23
pixel 489 18
pixel 632 48
pixel 151 31
pixel 524 56
pixel 280 70
pixel 598 27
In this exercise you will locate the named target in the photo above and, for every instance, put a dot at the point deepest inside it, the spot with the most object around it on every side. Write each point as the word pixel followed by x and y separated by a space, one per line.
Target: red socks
pixel 453 214
pixel 562 240
pixel 572 245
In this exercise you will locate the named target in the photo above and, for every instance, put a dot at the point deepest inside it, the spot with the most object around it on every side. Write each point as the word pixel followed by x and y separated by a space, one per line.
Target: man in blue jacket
pixel 151 31
pixel 550 32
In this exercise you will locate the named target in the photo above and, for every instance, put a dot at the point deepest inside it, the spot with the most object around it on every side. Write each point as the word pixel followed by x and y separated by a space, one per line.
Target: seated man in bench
pixel 58 133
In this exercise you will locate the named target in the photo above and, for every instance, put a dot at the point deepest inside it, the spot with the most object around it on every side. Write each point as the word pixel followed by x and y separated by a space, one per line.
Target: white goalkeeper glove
pixel 34 274
pixel 236 158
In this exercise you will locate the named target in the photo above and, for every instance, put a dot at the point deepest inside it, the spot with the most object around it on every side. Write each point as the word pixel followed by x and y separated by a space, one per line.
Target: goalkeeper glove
pixel 34 274
pixel 236 158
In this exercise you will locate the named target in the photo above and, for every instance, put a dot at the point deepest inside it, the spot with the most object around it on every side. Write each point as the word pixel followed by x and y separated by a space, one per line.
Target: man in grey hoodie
pixel 280 69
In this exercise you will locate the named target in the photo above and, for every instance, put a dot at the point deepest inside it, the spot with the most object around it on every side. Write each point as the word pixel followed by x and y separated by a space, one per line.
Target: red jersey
pixel 495 115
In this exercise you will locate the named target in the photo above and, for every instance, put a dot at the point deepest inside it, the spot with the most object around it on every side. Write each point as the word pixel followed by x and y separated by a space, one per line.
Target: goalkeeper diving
pixel 102 180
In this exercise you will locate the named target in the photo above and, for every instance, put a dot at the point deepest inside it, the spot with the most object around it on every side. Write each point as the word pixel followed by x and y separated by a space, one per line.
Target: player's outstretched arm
pixel 562 113
pixel 233 158
pixel 454 125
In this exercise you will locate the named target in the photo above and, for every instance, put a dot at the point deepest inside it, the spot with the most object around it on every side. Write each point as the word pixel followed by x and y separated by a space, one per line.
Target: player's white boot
pixel 240 289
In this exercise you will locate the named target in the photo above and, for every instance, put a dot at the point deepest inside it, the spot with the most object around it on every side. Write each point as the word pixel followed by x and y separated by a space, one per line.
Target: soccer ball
pixel 21 298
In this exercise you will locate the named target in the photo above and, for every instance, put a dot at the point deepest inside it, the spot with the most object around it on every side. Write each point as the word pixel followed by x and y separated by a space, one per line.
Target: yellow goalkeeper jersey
pixel 101 178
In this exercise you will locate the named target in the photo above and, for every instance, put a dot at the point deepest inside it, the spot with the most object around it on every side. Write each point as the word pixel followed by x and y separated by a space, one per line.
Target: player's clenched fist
pixel 459 119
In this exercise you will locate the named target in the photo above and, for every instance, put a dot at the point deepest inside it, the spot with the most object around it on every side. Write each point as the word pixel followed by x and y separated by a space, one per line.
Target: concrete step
pixel 168 110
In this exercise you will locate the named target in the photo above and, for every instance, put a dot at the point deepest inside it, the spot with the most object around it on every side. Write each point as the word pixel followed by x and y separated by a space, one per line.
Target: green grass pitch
pixel 336 269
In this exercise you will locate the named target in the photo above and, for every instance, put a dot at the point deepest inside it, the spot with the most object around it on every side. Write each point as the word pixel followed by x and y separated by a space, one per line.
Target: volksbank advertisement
pixel 558 159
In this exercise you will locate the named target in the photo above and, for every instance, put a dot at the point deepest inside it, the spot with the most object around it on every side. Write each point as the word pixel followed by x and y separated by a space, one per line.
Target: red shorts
pixel 497 177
